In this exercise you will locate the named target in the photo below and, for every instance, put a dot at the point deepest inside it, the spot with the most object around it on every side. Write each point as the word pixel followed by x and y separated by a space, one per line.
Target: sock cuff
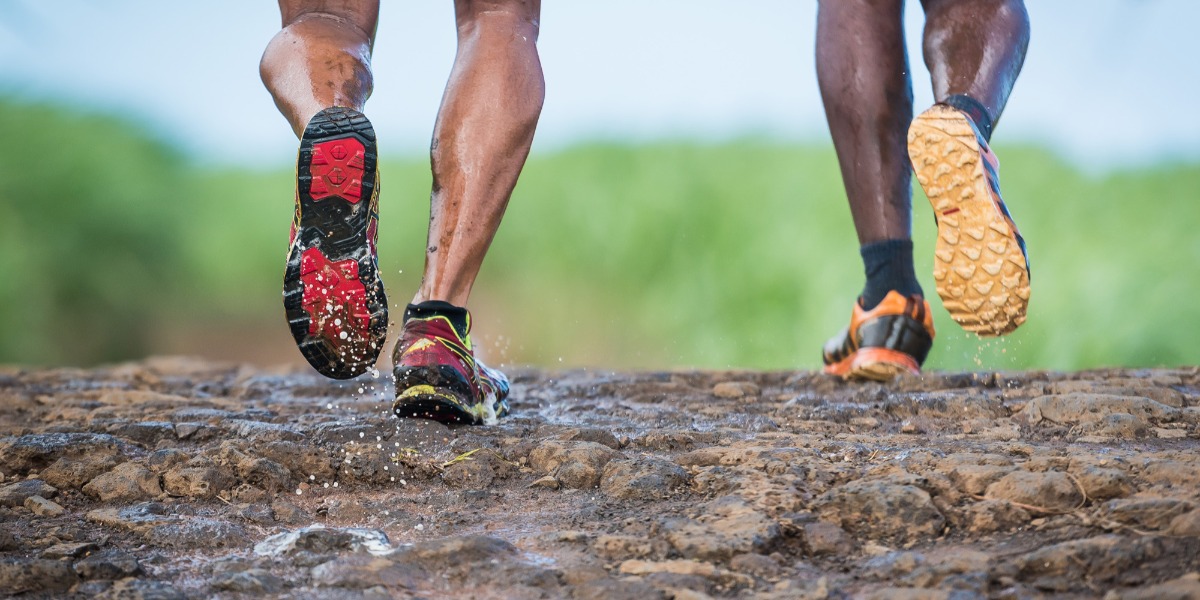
pixel 875 252
pixel 974 109
pixel 889 266
pixel 458 316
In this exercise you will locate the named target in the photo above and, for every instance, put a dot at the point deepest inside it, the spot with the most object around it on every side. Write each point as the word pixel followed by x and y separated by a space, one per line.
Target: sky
pixel 1107 83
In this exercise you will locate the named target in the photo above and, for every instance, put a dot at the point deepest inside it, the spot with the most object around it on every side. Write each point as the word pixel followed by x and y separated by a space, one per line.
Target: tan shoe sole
pixel 979 269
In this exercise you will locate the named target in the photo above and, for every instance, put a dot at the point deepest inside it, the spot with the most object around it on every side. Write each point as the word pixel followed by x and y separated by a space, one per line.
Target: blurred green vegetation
pixel 739 254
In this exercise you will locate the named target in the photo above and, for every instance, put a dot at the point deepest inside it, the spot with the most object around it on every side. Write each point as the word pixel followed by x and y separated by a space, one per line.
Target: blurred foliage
pixel 672 254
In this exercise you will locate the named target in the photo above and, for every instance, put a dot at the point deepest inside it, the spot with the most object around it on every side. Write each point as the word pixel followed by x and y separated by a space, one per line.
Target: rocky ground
pixel 173 478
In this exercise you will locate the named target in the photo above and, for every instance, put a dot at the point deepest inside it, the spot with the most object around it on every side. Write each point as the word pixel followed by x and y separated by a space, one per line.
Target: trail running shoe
pixel 438 377
pixel 892 338
pixel 332 292
pixel 981 268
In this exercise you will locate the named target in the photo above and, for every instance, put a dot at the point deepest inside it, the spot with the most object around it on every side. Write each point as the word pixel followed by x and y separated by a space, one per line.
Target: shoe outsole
pixel 874 364
pixel 433 392
pixel 332 292
pixel 979 268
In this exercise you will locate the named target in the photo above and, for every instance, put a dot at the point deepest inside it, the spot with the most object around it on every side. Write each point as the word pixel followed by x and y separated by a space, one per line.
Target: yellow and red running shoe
pixel 332 293
pixel 438 377
pixel 981 267
pixel 892 338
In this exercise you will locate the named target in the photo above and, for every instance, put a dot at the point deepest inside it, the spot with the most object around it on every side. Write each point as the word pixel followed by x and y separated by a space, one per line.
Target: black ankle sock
pixel 974 109
pixel 889 266
pixel 432 308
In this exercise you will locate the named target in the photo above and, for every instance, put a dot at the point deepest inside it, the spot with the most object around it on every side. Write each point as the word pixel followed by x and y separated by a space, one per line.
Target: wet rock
pixel 160 461
pixel 1115 426
pixel 25 575
pixel 575 464
pixel 822 538
pixel 359 572
pixel 8 541
pixel 1073 408
pixel 129 481
pixel 37 451
pixel 1102 484
pixel 958 568
pixel 260 432
pixel 642 478
pixel 301 460
pixel 321 540
pixel 1146 513
pixel 975 479
pixel 622 547
pixel 548 482
pixel 906 593
pixel 469 474
pixel 15 494
pixel 141 589
pixel 591 434
pixel 250 581
pixel 43 507
pixel 196 481
pixel 756 565
pixel 155 523
pixel 265 474
pixel 147 433
pixel 736 389
pixel 1187 524
pixel 1051 491
pixel 108 564
pixel 685 567
pixel 882 509
pixel 196 432
pixel 1099 559
pixel 286 512
pixel 893 565
pixel 467 550
pixel 1182 588
pixel 989 516
pixel 725 527
pixel 615 589
pixel 74 473
pixel 68 550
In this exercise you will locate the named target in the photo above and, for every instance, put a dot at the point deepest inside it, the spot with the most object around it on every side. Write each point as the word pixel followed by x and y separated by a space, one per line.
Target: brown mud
pixel 173 478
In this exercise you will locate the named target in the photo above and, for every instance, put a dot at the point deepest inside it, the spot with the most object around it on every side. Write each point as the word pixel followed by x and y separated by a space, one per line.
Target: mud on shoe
pixel 981 268
pixel 332 293
pixel 437 375
pixel 890 339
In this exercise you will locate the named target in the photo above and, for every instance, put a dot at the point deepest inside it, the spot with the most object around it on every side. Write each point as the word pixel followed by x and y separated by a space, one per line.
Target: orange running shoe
pixel 332 293
pixel 981 268
pixel 892 338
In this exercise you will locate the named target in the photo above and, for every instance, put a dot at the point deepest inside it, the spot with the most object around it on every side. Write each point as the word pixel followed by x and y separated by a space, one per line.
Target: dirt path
pixel 180 479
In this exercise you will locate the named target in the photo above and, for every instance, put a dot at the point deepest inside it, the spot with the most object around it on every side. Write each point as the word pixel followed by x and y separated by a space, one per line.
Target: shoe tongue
pixel 457 315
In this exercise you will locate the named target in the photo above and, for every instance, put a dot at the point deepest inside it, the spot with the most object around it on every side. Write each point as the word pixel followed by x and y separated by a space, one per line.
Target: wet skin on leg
pixel 976 48
pixel 321 58
pixel 862 69
pixel 482 136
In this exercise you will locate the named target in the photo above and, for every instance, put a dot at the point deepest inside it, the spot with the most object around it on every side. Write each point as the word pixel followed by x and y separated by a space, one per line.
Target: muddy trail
pixel 174 478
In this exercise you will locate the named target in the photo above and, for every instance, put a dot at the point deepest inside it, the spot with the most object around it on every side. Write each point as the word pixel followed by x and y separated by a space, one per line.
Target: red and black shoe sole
pixel 332 292
pixel 441 381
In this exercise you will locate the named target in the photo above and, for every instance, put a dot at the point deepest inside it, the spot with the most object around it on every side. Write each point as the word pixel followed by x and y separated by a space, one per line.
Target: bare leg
pixel 481 139
pixel 975 48
pixel 862 69
pixel 321 58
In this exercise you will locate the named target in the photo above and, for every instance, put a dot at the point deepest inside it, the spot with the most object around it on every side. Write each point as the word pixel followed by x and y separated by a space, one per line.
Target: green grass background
pixel 671 254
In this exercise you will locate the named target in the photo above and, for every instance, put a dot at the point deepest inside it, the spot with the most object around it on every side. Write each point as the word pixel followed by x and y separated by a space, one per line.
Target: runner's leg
pixel 321 58
pixel 976 48
pixel 481 139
